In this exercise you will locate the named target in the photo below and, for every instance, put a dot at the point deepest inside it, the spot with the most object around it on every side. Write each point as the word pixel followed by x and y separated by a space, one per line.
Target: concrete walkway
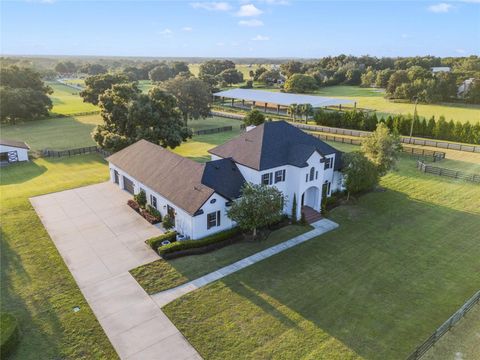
pixel 164 297
pixel 100 238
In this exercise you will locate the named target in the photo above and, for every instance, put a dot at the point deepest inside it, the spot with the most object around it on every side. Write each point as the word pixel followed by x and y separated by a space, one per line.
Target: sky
pixel 263 28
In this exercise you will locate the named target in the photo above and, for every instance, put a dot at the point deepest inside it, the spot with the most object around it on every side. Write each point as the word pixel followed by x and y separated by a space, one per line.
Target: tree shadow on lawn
pixel 394 270
pixel 20 172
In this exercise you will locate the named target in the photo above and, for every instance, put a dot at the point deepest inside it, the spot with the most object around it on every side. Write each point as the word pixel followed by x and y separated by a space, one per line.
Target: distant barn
pixel 12 151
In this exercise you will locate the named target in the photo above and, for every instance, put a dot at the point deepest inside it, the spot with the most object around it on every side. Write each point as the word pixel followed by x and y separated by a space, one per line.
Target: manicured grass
pixel 36 286
pixel 67 101
pixel 214 122
pixel 165 274
pixel 401 262
pixel 461 342
pixel 54 133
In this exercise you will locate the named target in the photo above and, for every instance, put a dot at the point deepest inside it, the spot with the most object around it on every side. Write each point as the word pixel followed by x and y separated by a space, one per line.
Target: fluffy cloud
pixel 261 38
pixel 251 23
pixel 187 28
pixel 249 10
pixel 212 6
pixel 166 33
pixel 440 8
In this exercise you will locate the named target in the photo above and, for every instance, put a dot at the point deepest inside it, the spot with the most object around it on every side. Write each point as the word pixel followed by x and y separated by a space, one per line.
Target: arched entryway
pixel 311 198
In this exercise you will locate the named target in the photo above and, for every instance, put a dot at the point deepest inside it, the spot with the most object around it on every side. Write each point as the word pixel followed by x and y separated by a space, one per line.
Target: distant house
pixel 439 69
pixel 465 87
pixel 13 151
pixel 198 195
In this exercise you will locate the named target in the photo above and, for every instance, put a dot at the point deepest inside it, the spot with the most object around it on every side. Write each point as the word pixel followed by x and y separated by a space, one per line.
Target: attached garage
pixel 128 185
pixel 12 151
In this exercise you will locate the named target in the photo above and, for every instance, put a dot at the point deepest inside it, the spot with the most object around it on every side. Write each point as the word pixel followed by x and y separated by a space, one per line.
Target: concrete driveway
pixel 100 238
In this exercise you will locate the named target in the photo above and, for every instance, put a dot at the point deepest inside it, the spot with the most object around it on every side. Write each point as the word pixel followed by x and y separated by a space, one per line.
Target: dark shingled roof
pixel 224 177
pixel 273 144
pixel 14 143
pixel 176 178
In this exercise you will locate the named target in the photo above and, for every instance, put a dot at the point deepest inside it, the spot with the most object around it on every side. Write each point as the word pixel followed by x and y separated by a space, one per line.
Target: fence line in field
pixel 448 172
pixel 77 151
pixel 213 130
pixel 444 328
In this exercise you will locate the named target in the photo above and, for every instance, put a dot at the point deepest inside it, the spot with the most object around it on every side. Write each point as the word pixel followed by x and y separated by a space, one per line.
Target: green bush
pixel 154 212
pixel 168 222
pixel 156 241
pixel 191 244
pixel 141 198
pixel 9 334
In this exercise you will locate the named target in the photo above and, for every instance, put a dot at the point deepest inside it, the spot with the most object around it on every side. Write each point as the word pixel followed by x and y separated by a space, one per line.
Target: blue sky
pixel 264 28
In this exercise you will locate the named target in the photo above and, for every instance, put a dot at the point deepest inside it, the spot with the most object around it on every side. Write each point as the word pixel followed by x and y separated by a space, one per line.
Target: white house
pixel 198 195
pixel 13 151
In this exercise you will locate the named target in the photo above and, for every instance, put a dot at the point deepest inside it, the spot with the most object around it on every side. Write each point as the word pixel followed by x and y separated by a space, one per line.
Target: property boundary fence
pixel 445 327
pixel 213 130
pixel 412 151
pixel 448 172
pixel 77 151
pixel 404 139
pixel 360 133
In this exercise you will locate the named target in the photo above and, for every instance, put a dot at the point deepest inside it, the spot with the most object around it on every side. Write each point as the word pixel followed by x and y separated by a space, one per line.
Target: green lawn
pixel 161 274
pixel 66 100
pixel 54 133
pixel 401 262
pixel 36 286
pixel 244 69
pixel 461 342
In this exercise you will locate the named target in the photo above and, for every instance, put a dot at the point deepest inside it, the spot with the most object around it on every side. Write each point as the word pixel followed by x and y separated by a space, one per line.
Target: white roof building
pixel 437 69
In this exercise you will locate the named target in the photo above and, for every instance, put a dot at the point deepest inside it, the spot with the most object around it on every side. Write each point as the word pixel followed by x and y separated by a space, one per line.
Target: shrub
pixel 303 221
pixel 156 241
pixel 141 198
pixel 192 244
pixel 133 204
pixel 154 212
pixel 149 217
pixel 9 334
pixel 254 117
pixel 168 222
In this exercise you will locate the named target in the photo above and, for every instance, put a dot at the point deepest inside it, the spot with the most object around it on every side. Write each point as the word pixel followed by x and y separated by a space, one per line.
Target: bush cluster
pixel 156 241
pixel 432 128
pixel 191 244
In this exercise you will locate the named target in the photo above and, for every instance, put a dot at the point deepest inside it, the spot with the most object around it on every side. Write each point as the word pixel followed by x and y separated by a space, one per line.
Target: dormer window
pixel 328 163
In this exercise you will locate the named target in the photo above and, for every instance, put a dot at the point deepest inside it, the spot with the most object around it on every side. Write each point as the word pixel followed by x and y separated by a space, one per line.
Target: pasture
pixel 375 288
pixel 66 100
pixel 36 286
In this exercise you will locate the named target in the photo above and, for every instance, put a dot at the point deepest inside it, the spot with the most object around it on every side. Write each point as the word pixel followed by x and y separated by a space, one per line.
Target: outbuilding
pixel 12 151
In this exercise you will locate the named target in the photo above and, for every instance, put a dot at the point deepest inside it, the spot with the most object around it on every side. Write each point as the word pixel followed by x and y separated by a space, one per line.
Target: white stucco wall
pixel 22 154
pixel 194 227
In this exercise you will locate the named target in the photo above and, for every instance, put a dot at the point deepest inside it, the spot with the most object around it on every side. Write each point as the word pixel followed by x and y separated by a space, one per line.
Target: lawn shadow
pixel 383 281
pixel 20 172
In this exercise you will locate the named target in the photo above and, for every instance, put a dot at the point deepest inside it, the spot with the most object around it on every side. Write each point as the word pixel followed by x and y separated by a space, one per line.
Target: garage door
pixel 128 185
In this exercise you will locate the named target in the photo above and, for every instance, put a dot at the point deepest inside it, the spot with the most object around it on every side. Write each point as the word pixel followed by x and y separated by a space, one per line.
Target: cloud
pixel 251 23
pixel 440 8
pixel 405 36
pixel 261 38
pixel 166 33
pixel 277 2
pixel 220 44
pixel 249 10
pixel 187 28
pixel 211 6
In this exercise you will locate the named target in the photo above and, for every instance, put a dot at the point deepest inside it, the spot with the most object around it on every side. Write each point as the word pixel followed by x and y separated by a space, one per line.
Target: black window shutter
pixel 218 218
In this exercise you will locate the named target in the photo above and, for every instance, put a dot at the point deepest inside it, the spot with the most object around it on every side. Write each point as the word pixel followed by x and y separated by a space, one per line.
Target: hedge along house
pixel 12 151
pixel 276 102
pixel 198 195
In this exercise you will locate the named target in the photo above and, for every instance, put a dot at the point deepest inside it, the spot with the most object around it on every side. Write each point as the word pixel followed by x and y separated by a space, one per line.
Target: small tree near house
pixel 360 173
pixel 294 209
pixel 141 199
pixel 254 117
pixel 258 207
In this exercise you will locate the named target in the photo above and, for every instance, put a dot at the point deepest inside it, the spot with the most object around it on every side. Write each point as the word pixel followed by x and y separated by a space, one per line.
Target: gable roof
pixel 176 178
pixel 224 177
pixel 273 144
pixel 14 143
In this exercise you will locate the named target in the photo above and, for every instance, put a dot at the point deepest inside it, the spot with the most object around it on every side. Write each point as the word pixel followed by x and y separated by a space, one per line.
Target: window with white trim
pixel 279 176
pixel 153 201
pixel 213 219
pixel 267 179
pixel 328 163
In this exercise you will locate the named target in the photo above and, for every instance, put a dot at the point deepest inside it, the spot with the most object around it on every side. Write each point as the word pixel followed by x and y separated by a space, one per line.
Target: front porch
pixel 311 215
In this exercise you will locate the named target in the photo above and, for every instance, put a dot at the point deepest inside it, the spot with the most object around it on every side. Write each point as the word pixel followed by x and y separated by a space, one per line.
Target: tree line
pixel 433 128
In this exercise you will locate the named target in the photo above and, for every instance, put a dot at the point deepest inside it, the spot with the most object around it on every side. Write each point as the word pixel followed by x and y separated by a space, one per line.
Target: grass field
pixel 244 69
pixel 374 99
pixel 462 342
pixel 66 100
pixel 400 264
pixel 161 274
pixel 36 286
